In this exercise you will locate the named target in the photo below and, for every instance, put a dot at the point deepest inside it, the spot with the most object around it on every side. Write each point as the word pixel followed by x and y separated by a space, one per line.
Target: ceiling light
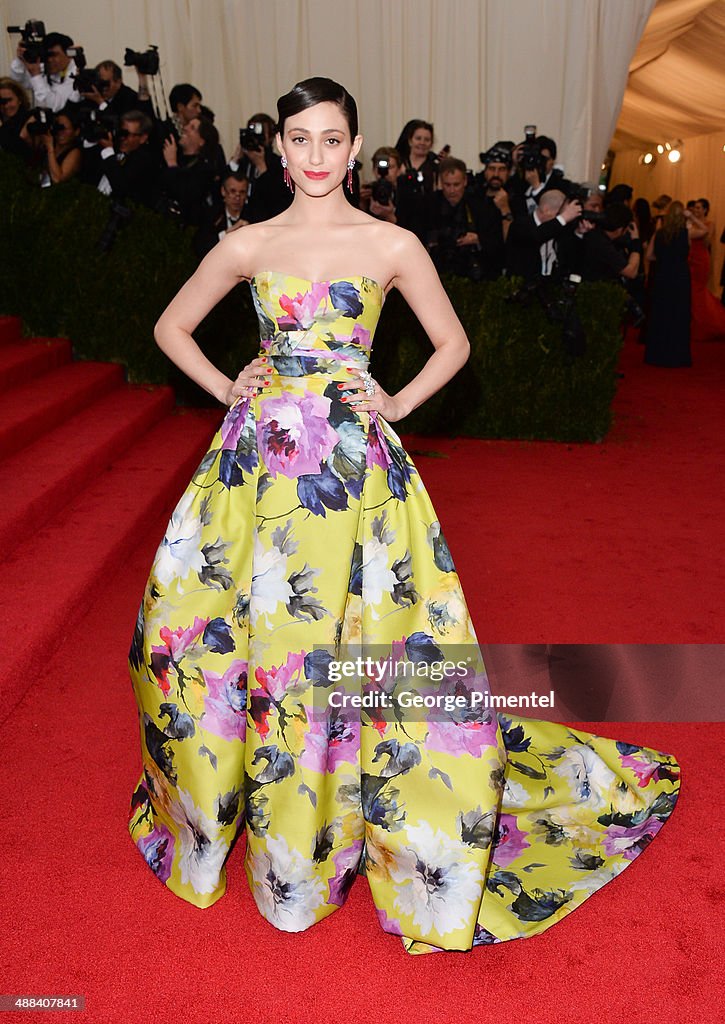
pixel 674 155
pixel 660 148
pixel 648 159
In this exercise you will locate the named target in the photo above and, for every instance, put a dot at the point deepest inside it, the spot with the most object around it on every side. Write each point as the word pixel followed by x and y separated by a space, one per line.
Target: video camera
pixel 146 63
pixel 381 189
pixel 33 36
pixel 251 138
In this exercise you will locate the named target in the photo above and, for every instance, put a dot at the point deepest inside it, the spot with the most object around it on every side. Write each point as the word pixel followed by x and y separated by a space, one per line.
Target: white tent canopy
pixel 676 84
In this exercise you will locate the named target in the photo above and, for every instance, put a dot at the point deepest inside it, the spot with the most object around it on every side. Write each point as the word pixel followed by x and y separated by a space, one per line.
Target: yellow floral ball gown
pixel 306 532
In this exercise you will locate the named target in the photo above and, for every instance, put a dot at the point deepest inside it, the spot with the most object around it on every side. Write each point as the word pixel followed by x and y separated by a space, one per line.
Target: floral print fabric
pixel 306 525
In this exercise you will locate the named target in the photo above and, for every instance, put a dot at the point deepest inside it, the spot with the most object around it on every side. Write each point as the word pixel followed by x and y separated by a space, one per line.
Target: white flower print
pixel 286 889
pixel 180 552
pixel 586 773
pixel 202 850
pixel 269 583
pixel 437 884
pixel 378 578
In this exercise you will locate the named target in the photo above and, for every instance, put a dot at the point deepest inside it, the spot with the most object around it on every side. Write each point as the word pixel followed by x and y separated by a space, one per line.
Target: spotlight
pixel 668 147
pixel 674 155
pixel 660 149
pixel 648 159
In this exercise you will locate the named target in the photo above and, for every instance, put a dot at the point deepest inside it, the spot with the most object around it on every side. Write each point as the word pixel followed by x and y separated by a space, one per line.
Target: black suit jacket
pixel 523 244
pixel 136 178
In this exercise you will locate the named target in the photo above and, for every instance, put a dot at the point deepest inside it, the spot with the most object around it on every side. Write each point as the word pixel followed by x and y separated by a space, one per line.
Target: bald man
pixel 531 241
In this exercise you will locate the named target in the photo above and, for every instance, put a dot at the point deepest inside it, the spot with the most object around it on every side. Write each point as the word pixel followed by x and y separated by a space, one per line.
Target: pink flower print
pixel 294 434
pixel 225 706
pixel 302 308
pixel 510 841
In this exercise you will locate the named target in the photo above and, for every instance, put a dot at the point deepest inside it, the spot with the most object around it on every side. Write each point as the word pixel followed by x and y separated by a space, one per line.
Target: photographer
pixel 611 251
pixel 188 179
pixel 217 222
pixel 380 196
pixel 185 104
pixel 56 144
pixel 111 95
pixel 495 214
pixel 255 159
pixel 50 77
pixel 127 167
pixel 452 222
pixel 531 243
pixel 14 111
pixel 536 172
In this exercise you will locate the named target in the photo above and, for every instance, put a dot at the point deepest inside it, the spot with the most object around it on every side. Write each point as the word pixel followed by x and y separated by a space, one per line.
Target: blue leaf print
pixel 345 297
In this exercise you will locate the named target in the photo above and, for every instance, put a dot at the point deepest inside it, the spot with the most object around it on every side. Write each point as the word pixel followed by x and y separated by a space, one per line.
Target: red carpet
pixel 631 527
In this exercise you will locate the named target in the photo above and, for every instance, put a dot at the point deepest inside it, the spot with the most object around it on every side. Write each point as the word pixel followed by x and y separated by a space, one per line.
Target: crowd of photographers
pixel 519 215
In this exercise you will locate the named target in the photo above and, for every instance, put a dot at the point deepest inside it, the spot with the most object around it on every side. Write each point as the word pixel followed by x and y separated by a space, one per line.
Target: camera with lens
pixel 381 189
pixel 32 35
pixel 531 158
pixel 251 138
pixel 41 121
pixel 97 124
pixel 146 63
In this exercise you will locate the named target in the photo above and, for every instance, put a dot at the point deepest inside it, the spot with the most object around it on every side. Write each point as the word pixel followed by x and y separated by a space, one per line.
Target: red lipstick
pixel 317 175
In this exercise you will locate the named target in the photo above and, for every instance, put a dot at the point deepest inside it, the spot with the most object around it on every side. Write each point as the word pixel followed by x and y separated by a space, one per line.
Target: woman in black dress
pixel 668 332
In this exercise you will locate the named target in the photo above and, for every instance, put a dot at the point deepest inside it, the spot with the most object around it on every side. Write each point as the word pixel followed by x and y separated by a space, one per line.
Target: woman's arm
pixel 216 275
pixel 417 280
pixel 695 227
pixel 62 171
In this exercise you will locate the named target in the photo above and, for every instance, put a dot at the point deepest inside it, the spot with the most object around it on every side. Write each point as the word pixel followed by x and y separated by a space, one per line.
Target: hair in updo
pixel 309 93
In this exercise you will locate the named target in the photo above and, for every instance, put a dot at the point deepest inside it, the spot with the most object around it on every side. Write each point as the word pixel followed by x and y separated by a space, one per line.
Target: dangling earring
pixel 287 177
pixel 350 166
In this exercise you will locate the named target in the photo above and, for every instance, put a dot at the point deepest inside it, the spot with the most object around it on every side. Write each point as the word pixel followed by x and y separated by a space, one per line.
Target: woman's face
pixel 317 145
pixel 9 104
pixel 699 210
pixel 420 142
pixel 64 132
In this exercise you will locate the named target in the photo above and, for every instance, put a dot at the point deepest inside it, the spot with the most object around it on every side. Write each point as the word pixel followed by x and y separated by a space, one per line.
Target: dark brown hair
pixel 309 93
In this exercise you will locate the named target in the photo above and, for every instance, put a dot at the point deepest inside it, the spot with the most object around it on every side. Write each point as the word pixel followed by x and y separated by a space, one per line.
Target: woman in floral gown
pixel 305 546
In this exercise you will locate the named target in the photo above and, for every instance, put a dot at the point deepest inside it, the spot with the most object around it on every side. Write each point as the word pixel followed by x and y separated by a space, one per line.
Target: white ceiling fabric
pixel 676 84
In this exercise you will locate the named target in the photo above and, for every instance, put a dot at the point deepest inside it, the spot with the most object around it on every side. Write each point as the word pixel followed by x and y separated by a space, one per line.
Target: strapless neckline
pixel 307 280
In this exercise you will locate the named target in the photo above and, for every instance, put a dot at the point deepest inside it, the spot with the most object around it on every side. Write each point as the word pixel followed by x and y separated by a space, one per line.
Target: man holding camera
pixel 380 197
pixel 125 165
pixel 531 243
pixel 109 93
pixel 255 159
pixel 50 73
pixel 189 178
pixel 611 250
pixel 452 223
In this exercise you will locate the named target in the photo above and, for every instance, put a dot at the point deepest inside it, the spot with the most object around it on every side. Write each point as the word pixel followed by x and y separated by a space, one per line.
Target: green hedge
pixel 518 382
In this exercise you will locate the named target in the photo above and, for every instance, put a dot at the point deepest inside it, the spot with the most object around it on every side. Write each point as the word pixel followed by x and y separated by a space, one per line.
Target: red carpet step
pixel 38 406
pixel 37 481
pixel 56 574
pixel 22 361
